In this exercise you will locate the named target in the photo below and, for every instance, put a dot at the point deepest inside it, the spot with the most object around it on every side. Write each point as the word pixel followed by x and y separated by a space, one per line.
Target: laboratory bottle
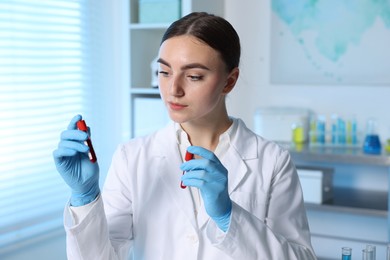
pixel 367 254
pixel 334 129
pixel 388 252
pixel 346 253
pixel 372 144
pixel 313 130
pixel 387 143
pixel 298 133
pixel 341 130
pixel 321 121
pixel 351 131
pixel 354 130
pixel 371 248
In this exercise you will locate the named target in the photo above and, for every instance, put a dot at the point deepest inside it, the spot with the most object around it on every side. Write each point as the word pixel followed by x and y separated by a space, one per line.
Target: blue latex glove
pixel 72 162
pixel 210 177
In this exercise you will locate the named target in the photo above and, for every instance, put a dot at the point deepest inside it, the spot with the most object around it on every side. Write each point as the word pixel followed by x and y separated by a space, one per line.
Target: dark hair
pixel 213 30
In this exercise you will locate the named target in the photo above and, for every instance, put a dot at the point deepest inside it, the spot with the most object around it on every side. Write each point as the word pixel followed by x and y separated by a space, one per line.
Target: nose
pixel 176 87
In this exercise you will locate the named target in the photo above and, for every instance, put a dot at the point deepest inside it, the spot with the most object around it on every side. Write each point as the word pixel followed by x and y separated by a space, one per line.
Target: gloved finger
pixel 72 124
pixel 202 152
pixel 193 183
pixel 204 164
pixel 63 152
pixel 75 135
pixel 203 176
pixel 196 164
pixel 77 146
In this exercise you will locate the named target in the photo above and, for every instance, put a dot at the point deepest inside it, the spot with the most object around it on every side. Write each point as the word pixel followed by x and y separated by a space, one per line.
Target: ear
pixel 231 80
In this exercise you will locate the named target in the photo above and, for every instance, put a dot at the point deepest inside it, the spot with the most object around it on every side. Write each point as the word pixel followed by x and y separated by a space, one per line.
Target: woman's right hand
pixel 72 162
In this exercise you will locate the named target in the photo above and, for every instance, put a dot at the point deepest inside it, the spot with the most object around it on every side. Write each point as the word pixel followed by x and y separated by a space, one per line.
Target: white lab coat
pixel 145 210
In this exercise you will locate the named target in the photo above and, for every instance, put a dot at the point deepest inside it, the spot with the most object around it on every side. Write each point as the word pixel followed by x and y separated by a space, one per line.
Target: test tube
pixel 81 125
pixel 341 130
pixel 346 253
pixel 372 249
pixel 321 120
pixel 187 157
pixel 388 252
pixel 334 130
pixel 367 254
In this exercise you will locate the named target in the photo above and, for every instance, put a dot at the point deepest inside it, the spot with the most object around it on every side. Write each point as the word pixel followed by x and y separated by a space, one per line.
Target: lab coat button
pixel 193 238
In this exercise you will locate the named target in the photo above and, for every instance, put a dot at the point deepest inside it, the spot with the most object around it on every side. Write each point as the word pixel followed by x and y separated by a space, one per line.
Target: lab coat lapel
pixel 237 170
pixel 243 146
pixel 171 175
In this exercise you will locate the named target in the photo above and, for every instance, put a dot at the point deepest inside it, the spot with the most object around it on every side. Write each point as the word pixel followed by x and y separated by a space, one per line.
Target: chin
pixel 177 119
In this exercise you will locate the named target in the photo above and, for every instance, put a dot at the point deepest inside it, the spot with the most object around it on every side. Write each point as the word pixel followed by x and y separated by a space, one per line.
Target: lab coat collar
pixel 243 147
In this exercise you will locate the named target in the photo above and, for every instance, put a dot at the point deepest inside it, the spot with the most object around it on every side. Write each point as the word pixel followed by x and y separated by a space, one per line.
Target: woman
pixel 240 196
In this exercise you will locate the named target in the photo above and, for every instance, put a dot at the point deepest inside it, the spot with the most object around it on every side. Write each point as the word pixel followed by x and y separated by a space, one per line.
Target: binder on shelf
pixel 159 11
pixel 317 184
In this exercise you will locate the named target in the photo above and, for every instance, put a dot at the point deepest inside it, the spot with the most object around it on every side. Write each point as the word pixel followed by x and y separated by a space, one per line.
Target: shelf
pixel 144 43
pixel 145 91
pixel 365 202
pixel 347 155
pixel 148 26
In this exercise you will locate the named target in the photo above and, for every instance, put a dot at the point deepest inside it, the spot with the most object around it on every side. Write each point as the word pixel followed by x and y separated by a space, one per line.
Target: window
pixel 47 58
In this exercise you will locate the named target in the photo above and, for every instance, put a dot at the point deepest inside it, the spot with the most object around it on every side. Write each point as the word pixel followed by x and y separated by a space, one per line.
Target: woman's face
pixel 193 79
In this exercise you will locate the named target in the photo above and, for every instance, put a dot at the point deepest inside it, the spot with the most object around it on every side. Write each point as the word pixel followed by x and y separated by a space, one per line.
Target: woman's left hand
pixel 211 178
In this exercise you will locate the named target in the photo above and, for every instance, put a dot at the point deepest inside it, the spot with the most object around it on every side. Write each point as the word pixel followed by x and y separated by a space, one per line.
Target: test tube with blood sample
pixel 188 156
pixel 81 125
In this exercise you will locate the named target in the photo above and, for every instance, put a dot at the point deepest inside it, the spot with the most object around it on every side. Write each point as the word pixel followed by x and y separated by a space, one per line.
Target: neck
pixel 206 133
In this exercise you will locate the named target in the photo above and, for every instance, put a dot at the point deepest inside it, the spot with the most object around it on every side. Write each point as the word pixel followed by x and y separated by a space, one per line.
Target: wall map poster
pixel 330 42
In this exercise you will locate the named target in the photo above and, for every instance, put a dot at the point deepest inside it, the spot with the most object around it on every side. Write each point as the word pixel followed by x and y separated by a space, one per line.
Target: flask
pixel 372 144
pixel 346 253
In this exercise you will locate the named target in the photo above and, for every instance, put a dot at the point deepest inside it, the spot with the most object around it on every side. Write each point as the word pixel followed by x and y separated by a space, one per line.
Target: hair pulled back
pixel 213 30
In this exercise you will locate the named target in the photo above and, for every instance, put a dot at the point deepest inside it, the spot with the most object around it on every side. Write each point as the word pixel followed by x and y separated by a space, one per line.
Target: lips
pixel 176 106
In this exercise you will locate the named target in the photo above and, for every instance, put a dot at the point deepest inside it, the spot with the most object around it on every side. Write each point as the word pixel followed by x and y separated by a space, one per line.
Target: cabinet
pixel 146 109
pixel 358 214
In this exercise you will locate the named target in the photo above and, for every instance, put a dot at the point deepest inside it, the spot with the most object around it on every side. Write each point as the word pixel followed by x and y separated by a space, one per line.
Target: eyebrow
pixel 187 66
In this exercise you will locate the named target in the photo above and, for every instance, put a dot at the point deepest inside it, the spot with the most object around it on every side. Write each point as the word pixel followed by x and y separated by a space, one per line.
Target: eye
pixel 163 73
pixel 195 77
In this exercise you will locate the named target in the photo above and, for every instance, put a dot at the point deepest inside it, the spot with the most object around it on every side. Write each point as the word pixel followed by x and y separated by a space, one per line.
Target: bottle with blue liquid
pixel 372 144
pixel 346 253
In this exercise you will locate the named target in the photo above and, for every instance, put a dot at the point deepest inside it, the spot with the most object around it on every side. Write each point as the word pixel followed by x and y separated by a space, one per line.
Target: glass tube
pixel 367 254
pixel 373 249
pixel 346 253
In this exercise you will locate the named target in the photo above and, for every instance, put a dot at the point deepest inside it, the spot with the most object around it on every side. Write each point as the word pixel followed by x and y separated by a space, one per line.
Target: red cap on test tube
pixel 81 125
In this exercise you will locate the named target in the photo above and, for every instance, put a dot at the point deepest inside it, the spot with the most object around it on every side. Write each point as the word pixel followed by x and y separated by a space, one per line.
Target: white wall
pixel 45 248
pixel 251 18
